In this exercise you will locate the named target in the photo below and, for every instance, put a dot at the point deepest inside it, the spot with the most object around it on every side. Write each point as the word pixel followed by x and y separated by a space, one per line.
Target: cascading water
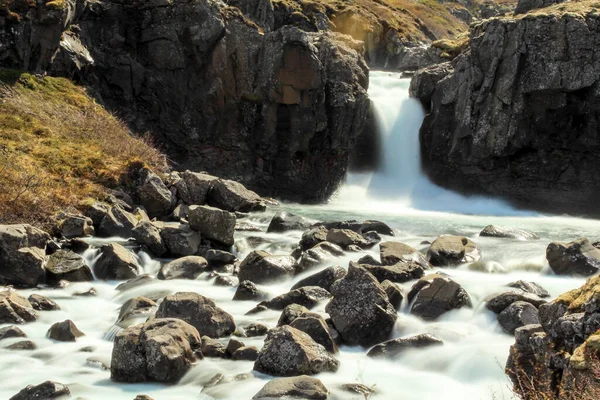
pixel 400 183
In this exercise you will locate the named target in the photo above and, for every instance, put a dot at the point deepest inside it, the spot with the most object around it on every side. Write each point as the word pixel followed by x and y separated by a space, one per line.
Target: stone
pixel 434 295
pixel 116 263
pixel 67 265
pixel 46 391
pixel 318 254
pixel 65 331
pixel 147 234
pixel 248 291
pixel 213 348
pixel 117 222
pixel 137 307
pixel 22 345
pixel 222 280
pixel 360 309
pixel 452 250
pixel 394 293
pixel 22 252
pixel 392 253
pixel 518 314
pixel 254 330
pixel 508 233
pixel 14 308
pixel 199 311
pixel 323 279
pixel 377 226
pixel 217 258
pixel 42 303
pixel 317 329
pixel 11 331
pixel 76 245
pixel 500 302
pixel 290 313
pixel 189 267
pixel 232 346
pixel 394 348
pixel 400 272
pixel 289 352
pixel 345 238
pixel 74 226
pixel 579 257
pixel 523 6
pixel 233 196
pixel 152 193
pixel 530 287
pixel 96 210
pixel 213 223
pixel 180 240
pixel 285 221
pixel 193 187
pixel 303 387
pixel 308 296
pixel 262 267
pixel 313 236
pixel 139 280
pixel 160 350
pixel 245 353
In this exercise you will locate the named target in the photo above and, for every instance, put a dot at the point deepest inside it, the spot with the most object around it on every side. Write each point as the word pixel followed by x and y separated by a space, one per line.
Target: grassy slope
pixel 57 147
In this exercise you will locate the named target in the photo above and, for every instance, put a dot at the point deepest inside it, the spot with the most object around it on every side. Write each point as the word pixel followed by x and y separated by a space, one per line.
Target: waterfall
pixel 399 183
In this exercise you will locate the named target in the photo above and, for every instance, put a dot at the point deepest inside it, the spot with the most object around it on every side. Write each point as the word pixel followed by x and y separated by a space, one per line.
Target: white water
pixel 470 365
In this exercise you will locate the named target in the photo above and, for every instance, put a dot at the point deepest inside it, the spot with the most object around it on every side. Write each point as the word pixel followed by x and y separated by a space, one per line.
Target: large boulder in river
pixel 248 291
pixel 360 309
pixel 65 331
pixel 399 272
pixel 509 233
pixel 180 240
pixel 199 311
pixel 44 391
pixel 213 223
pixel 289 352
pixel 501 301
pixel 189 267
pixel 394 348
pixel 317 329
pixel 285 221
pixel 319 254
pixel 116 263
pixel 308 296
pixel 148 234
pixel 436 294
pixel 153 194
pixel 452 250
pixel 22 252
pixel 193 187
pixel 346 238
pixel 117 222
pixel 161 350
pixel 395 252
pixel 262 267
pixel 296 387
pixel 579 257
pixel 68 266
pixel 73 225
pixel 233 196
pixel 324 278
pixel 14 308
pixel 518 314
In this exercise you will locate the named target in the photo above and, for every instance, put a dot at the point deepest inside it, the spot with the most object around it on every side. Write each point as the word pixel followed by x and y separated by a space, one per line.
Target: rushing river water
pixel 470 365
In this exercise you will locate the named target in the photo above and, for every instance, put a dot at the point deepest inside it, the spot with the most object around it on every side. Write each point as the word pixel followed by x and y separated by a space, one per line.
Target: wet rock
pixel 46 391
pixel 22 252
pixel 400 272
pixel 303 387
pixel 116 263
pixel 142 397
pixel 14 308
pixel 193 187
pixel 518 314
pixel 509 233
pixel 11 332
pixel 285 221
pixel 232 346
pixel 376 226
pixel 76 245
pixel 217 258
pixel 262 267
pixel 245 353
pixel 95 210
pixel 189 267
pixel 323 279
pixel 394 293
pixel 452 250
pixel 313 236
pixel 137 307
pixel 368 260
pixel 360 309
pixel 222 280
pixel 308 297
pixel 148 234
pixel 67 265
pixel 317 329
pixel 117 222
pixel 213 223
pixel 153 194
pixel 181 240
pixel 530 287
pixel 243 226
pixel 288 352
pixel 180 213
pixel 318 254
pixel 22 345
pixel 42 303
pixel 500 302
pixel 91 292
pixel 140 280
pixel 73 226
pixel 393 348
pixel 233 196
pixel 65 331
pixel 161 350
pixel 345 238
pixel 213 348
pixel 359 388
pixel 579 257
pixel 248 291
pixel 199 311
pixel 392 253
pixel 489 267
pixel 290 313
pixel 254 330
pixel 435 294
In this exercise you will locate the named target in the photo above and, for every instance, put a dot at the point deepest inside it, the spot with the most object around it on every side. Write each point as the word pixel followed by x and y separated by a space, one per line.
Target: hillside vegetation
pixel 58 146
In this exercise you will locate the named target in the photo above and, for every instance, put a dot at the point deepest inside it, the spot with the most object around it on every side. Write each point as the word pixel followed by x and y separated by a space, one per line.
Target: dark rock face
pixel 47 390
pixel 303 387
pixel 69 266
pixel 579 257
pixel 393 348
pixel 527 5
pixel 22 251
pixel 516 117
pixel 435 294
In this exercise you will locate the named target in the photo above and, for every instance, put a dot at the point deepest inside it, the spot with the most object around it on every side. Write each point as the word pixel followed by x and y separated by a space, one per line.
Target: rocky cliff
pixel 220 87
pixel 517 115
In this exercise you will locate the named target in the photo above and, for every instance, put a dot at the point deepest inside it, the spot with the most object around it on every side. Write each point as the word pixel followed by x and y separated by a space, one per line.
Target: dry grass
pixel 58 146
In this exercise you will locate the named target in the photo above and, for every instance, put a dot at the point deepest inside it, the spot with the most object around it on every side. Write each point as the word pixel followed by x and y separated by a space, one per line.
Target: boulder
pixel 400 272
pixel 254 330
pixel 153 194
pixel 392 253
pixel 199 311
pixel 219 258
pixel 291 312
pixel 394 348
pixel 245 353
pixel 22 251
pixel 44 391
pixel 11 332
pixel 579 257
pixel 161 350
pixel 180 240
pixel 394 293
pixel 323 279
pixel 65 331
pixel 223 280
pixel 508 233
pixel 360 309
pixel 285 221
pixel 346 238
pixel 301 387
pixel 262 267
pixel 376 226
pixel 319 254
pixel 147 234
pixel 435 294
pixel 308 297
pixel 248 291
pixel 135 308
pixel 317 329
pixel 22 345
pixel 233 196
pixel 67 265
pixel 139 280
pixel 452 250
pixel 73 226
pixel 213 223
pixel 313 236
pixel 42 303
pixel 96 210
pixel 116 263
pixel 213 348
pixel 14 308
pixel 189 267
pixel 519 313
pixel 193 187
pixel 289 352
pixel 530 287
pixel 117 222
pixel 500 302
